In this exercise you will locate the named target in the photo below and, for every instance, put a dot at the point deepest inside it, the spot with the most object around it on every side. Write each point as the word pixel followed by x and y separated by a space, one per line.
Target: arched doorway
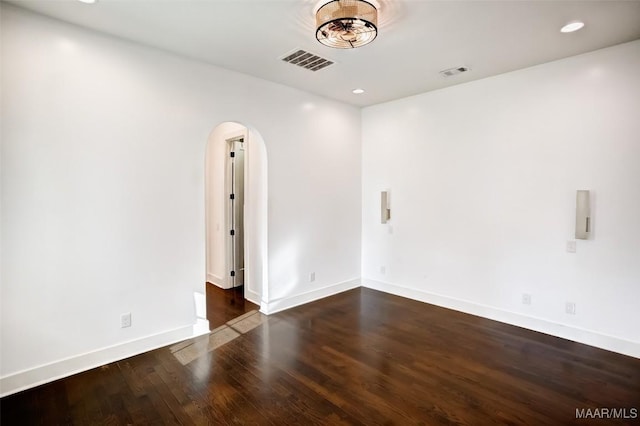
pixel 236 211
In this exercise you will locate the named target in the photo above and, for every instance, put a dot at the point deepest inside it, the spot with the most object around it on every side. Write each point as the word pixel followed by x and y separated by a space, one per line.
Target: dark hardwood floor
pixel 224 305
pixel 361 357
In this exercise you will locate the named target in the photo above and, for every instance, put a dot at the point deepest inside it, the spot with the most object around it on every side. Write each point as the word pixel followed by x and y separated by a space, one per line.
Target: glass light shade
pixel 346 24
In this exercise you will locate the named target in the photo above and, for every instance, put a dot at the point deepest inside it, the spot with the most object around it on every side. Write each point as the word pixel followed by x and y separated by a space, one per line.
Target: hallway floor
pixel 225 305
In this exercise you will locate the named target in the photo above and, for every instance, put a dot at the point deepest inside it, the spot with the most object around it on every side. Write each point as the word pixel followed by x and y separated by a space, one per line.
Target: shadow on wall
pixel 255 209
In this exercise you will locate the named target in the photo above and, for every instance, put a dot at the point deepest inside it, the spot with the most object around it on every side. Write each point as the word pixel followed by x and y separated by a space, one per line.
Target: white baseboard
pixel 217 281
pixel 251 296
pixel 288 302
pixel 32 377
pixel 200 327
pixel 588 337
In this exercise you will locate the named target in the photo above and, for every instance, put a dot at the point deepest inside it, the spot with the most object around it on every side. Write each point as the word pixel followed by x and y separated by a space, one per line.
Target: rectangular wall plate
pixel 385 211
pixel 583 215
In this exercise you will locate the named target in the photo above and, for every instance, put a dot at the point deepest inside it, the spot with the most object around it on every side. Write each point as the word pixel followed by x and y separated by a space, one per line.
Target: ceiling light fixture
pixel 572 26
pixel 346 24
pixel 357 91
pixel 87 1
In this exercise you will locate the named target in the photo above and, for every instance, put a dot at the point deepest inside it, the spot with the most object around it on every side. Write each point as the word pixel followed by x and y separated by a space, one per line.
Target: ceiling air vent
pixel 453 71
pixel 307 60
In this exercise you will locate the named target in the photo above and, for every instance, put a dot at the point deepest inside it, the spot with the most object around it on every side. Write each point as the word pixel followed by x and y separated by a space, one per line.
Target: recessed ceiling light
pixel 88 1
pixel 572 26
pixel 357 91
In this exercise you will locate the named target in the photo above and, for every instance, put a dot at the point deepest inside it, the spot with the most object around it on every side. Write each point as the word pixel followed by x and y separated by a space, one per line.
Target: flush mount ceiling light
pixel 346 24
pixel 572 26
pixel 357 91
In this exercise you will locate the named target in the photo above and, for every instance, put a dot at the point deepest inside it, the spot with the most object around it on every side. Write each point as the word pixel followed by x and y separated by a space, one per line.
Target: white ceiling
pixel 416 40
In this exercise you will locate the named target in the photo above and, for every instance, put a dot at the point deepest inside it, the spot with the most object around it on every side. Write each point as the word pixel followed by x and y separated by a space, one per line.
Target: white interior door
pixel 236 211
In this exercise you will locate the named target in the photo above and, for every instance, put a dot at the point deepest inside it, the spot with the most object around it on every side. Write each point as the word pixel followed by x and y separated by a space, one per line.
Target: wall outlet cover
pixel 570 308
pixel 125 320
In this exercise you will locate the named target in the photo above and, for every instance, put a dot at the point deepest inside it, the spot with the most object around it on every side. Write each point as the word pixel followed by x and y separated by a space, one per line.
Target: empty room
pixel 319 212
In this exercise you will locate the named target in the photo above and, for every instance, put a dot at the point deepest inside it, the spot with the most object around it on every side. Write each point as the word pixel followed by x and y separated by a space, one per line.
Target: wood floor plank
pixel 358 358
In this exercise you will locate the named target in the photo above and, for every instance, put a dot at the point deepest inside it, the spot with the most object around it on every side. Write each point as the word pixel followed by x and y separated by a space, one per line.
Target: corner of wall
pixel 283 303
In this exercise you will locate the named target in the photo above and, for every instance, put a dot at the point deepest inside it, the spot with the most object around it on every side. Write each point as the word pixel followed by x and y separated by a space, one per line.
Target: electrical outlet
pixel 570 308
pixel 526 299
pixel 571 246
pixel 312 277
pixel 125 320
pixel 383 270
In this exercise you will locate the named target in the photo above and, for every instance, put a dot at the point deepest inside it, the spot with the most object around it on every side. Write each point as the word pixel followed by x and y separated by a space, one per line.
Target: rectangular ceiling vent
pixel 307 60
pixel 453 71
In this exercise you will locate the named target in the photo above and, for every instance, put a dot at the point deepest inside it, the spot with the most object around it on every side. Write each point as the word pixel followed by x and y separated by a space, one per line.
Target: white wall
pixel 103 145
pixel 483 179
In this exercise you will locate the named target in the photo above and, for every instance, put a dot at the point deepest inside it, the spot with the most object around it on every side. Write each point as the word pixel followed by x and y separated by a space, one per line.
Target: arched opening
pixel 236 215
